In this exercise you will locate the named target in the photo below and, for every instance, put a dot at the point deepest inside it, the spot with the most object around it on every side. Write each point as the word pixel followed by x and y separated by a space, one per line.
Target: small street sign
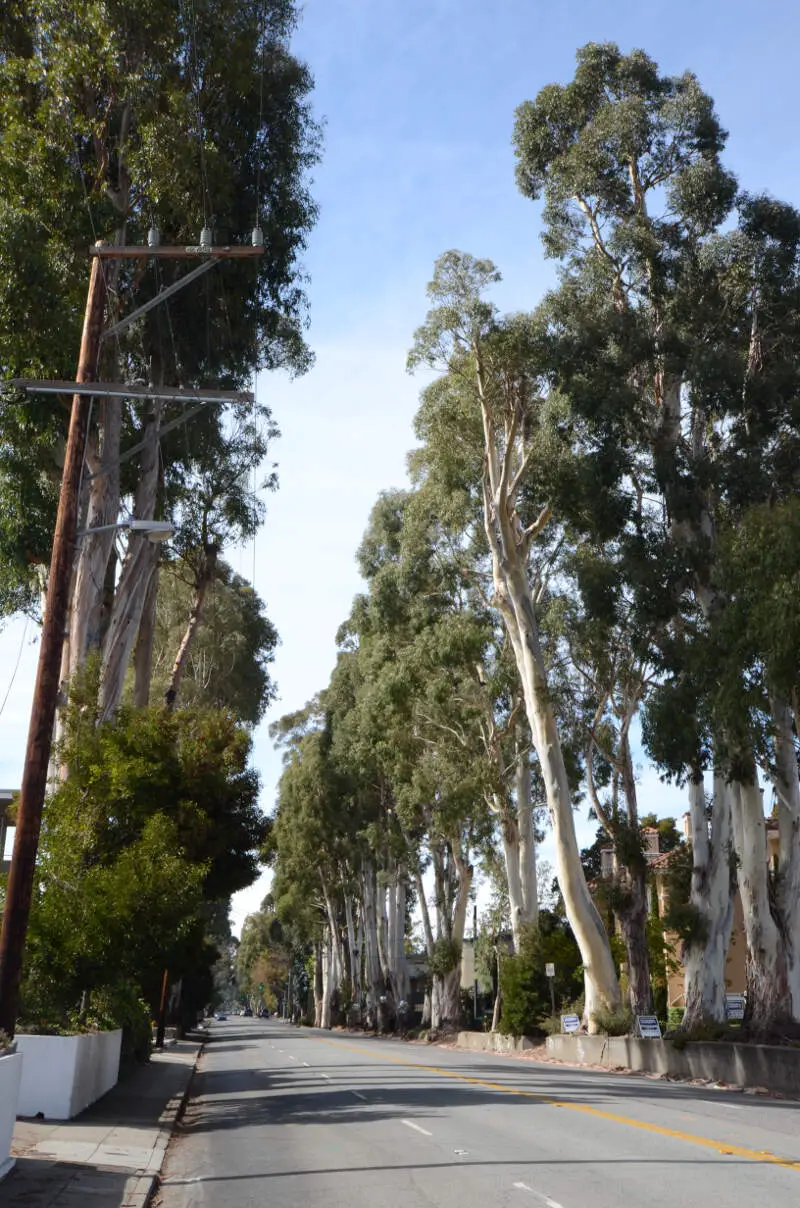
pixel 648 1027
pixel 570 1023
pixel 734 1006
pixel 550 969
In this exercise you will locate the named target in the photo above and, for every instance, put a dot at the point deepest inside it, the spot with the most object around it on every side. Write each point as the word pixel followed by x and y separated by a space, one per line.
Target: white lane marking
pixel 544 1199
pixel 305 1063
pixel 358 1095
pixel 416 1127
pixel 291 1058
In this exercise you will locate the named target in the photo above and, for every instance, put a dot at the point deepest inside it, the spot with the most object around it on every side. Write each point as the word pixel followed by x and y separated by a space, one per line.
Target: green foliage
pixel 231 653
pixel 156 823
pixel 446 957
pixel 524 984
pixel 616 1021
pixel 121 1006
pixel 119 115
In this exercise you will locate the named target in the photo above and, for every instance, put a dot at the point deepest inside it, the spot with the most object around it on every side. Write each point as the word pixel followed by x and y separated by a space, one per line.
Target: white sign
pixel 734 1006
pixel 550 969
pixel 648 1027
pixel 570 1023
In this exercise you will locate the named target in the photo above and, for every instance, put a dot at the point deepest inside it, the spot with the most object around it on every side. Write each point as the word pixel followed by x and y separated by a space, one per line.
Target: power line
pixel 16 666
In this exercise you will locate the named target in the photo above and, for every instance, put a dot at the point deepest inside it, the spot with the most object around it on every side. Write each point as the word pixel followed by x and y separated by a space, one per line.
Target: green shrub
pixel 120 1006
pixel 614 1021
pixel 674 1018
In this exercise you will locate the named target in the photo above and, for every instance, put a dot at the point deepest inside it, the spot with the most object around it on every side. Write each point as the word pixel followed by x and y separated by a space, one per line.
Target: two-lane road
pixel 295 1117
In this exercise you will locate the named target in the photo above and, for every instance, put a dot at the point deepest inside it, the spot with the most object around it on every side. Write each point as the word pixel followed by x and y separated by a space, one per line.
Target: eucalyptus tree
pixel 229 664
pixel 494 363
pixel 670 337
pixel 116 118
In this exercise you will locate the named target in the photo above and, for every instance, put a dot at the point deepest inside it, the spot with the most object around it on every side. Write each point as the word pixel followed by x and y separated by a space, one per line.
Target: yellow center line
pixel 738 1151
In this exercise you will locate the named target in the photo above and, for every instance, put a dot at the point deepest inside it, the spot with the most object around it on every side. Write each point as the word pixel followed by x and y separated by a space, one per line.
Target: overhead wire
pixel 14 672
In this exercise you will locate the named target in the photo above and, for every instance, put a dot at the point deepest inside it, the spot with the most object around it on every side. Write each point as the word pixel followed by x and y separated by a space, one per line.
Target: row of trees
pixel 117 118
pixel 601 534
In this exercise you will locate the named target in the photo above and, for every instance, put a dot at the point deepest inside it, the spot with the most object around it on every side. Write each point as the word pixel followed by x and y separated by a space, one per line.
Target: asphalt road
pixel 295 1117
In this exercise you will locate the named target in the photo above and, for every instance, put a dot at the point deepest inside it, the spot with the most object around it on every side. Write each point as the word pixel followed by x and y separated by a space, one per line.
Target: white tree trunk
pixel 519 850
pixel 515 598
pixel 372 961
pixel 399 962
pixel 140 559
pixel 787 894
pixel 427 930
pixel 768 998
pixel 145 644
pixel 354 949
pixel 328 980
pixel 712 897
pixel 94 549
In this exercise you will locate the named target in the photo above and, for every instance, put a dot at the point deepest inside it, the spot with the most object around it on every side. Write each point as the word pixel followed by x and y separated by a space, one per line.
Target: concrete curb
pixel 141 1188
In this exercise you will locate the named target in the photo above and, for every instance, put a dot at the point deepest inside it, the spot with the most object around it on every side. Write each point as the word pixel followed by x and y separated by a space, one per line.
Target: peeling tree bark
pixel 768 996
pixel 202 582
pixel 145 643
pixel 787 894
pixel 140 559
pixel 94 549
pixel 712 898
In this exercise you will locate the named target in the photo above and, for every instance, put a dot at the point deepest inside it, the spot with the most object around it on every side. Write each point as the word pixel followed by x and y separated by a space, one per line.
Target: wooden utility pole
pixel 45 697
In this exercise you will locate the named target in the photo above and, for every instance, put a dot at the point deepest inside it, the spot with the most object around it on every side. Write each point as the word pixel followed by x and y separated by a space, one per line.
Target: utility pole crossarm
pixel 169 394
pixel 141 251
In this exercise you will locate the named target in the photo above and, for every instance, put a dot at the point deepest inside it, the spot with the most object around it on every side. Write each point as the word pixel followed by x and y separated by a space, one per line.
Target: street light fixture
pixel 153 530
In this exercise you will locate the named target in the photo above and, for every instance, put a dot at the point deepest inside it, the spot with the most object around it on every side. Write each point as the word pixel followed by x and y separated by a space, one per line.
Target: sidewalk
pixel 109 1156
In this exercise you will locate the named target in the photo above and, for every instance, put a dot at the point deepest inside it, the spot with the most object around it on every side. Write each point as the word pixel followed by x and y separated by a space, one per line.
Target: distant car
pixel 220 1015
pixel 247 1011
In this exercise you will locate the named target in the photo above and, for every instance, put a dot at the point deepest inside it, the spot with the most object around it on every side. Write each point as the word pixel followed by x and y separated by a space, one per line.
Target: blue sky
pixel 418 97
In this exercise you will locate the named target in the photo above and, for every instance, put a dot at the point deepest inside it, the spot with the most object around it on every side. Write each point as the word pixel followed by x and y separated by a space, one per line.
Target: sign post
pixel 550 972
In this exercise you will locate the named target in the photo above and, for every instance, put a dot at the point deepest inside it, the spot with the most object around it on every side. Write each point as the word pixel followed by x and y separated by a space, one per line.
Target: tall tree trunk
pixel 633 878
pixel 374 978
pixel 354 949
pixel 711 896
pixel 515 597
pixel 768 997
pixel 430 945
pixel 787 890
pixel 527 837
pixel 318 984
pixel 399 962
pixel 145 643
pixel 519 851
pixel 633 924
pixel 201 585
pixel 140 558
pixel 94 549
pixel 328 980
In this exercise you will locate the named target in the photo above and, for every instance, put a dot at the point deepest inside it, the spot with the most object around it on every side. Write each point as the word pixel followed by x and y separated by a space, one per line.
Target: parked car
pixel 220 1015
pixel 247 1011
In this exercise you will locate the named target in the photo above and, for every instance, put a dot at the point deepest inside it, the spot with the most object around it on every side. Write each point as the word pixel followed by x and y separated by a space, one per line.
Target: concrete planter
pixel 10 1072
pixel 61 1075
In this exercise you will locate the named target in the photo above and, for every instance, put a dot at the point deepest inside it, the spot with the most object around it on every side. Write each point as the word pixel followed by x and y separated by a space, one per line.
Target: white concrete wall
pixel 493 1042
pixel 10 1073
pixel 62 1075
